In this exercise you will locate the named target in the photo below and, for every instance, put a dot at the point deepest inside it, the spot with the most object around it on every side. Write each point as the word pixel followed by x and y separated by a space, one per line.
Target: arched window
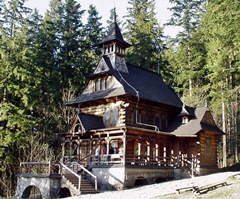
pixel 97 85
pixel 78 128
pixel 108 82
pixel 102 84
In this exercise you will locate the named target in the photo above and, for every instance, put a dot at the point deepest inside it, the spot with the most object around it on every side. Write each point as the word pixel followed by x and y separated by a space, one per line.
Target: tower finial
pixel 114 14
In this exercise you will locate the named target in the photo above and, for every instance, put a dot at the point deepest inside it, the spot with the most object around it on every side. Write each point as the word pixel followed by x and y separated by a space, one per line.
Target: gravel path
pixel 168 189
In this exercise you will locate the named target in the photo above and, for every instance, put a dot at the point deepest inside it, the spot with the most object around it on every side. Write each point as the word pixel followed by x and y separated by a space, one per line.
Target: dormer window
pixel 185 120
pixel 97 85
pixel 101 84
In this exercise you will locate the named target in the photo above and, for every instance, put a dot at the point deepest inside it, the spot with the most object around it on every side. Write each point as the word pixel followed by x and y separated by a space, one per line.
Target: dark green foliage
pixel 145 34
pixel 44 63
pixel 187 15
pixel 45 60
pixel 188 61
pixel 221 28
pixel 15 91
pixel 93 34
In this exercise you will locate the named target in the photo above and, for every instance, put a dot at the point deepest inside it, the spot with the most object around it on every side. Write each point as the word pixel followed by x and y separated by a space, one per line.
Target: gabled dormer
pixel 114 47
pixel 86 122
pixel 208 119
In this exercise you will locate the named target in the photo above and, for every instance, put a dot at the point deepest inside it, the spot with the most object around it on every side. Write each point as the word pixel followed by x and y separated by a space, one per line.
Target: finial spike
pixel 114 15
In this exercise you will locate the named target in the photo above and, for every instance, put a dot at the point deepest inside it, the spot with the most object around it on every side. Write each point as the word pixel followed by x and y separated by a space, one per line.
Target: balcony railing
pixel 39 167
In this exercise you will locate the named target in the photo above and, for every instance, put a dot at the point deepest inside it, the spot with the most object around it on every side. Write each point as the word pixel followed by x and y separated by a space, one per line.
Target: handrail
pixel 191 163
pixel 73 172
pixel 85 157
pixel 79 176
pixel 85 170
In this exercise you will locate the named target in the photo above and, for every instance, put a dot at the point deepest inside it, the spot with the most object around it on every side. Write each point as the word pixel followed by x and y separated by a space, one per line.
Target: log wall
pixel 208 149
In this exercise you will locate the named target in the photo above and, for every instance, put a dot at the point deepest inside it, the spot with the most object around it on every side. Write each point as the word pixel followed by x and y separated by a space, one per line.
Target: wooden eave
pixel 186 135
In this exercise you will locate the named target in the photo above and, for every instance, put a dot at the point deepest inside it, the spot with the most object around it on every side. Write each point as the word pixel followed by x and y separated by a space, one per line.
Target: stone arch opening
pixel 32 192
pixel 160 179
pixel 140 182
pixel 64 193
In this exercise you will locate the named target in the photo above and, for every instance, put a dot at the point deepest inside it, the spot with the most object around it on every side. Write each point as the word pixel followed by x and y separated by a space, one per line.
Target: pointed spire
pixel 114 15
pixel 184 112
pixel 114 34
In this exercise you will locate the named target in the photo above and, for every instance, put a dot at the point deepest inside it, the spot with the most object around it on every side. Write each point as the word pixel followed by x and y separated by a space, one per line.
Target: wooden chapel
pixel 133 129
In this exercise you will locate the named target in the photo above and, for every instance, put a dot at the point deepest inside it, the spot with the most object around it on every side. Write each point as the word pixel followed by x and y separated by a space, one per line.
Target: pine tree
pixel 187 14
pixel 93 34
pixel 71 46
pixel 145 34
pixel 220 26
pixel 15 92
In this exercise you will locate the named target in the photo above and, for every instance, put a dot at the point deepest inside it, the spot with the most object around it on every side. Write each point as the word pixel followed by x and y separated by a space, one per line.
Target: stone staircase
pixel 75 175
pixel 85 186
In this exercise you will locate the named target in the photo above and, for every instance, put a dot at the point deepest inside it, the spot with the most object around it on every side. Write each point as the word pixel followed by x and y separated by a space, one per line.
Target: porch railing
pixel 143 160
pixel 149 161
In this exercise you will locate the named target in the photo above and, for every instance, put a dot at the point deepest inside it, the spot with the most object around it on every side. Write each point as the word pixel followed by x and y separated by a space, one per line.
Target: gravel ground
pixel 167 190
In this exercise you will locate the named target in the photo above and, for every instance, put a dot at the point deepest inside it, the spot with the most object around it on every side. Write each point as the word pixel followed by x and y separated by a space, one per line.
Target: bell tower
pixel 114 47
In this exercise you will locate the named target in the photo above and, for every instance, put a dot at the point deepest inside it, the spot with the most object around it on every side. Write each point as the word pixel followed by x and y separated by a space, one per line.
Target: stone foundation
pixel 48 185
pixel 119 177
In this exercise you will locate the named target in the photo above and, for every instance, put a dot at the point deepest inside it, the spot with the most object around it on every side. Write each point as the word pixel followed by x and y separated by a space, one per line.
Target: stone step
pixel 86 186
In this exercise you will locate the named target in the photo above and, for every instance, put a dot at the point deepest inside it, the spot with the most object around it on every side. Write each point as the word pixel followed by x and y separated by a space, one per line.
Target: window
pixel 78 128
pixel 107 82
pixel 102 84
pixel 185 120
pixel 97 85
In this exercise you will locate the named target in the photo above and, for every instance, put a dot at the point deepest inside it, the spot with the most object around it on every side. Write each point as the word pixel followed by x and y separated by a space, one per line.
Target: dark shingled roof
pixel 184 112
pixel 148 85
pixel 114 34
pixel 91 122
pixel 194 126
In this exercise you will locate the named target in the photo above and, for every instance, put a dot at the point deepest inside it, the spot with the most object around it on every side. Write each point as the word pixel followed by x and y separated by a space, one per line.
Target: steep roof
pixel 194 126
pixel 184 112
pixel 114 34
pixel 138 82
pixel 91 122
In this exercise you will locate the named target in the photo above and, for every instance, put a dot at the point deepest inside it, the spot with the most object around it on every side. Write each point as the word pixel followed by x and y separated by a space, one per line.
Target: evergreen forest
pixel 45 60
